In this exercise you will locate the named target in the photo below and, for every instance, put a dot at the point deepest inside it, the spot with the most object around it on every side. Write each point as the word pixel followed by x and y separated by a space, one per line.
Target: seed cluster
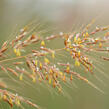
pixel 41 61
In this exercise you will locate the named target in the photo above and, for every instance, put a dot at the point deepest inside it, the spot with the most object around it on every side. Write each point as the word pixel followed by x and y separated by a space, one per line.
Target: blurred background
pixel 65 15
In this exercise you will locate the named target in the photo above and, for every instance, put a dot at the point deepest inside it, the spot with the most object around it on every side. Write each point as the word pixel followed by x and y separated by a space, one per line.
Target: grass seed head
pixel 40 60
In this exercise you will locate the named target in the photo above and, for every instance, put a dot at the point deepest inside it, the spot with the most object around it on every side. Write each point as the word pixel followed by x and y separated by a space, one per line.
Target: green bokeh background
pixel 21 12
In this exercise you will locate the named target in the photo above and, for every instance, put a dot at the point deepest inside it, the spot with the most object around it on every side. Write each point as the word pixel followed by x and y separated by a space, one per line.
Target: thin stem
pixel 13 58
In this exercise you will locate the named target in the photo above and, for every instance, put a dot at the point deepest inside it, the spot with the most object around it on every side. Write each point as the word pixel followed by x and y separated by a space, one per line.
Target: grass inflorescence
pixel 30 55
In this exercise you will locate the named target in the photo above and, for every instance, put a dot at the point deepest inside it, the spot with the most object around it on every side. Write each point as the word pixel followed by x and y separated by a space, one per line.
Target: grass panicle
pixel 30 55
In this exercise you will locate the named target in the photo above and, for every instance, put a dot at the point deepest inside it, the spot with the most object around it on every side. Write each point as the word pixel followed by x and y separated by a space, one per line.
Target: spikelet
pixel 64 78
pixel 67 69
pixel 40 65
pixel 46 61
pixel 21 77
pixel 77 63
pixel 87 34
pixel 17 52
pixel 50 80
pixel 42 43
pixel 33 79
pixel 79 53
pixel 36 62
pixel 53 55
